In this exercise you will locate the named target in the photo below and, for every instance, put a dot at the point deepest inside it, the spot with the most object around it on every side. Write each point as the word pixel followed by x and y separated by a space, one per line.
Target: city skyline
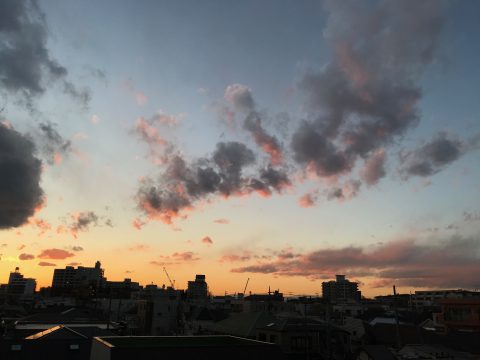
pixel 282 142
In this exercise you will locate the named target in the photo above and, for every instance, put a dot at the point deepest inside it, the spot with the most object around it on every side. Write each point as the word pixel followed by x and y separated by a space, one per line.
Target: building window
pixel 273 339
pixel 262 337
pixel 74 347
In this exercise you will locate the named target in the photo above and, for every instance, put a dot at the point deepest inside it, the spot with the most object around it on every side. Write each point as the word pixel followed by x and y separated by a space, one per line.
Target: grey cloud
pixel 26 66
pixel 51 143
pixel 432 157
pixel 367 95
pixel 83 221
pixel 241 98
pixel 374 167
pixel 182 184
pixel 20 171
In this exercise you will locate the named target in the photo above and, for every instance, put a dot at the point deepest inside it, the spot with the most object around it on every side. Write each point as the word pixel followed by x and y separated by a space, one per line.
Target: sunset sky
pixel 282 141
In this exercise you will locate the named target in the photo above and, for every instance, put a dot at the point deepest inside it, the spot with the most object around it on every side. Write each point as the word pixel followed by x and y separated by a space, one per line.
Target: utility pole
pixel 397 326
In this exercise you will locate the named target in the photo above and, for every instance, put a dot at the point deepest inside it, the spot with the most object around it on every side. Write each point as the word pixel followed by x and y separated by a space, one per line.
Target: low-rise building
pixel 459 314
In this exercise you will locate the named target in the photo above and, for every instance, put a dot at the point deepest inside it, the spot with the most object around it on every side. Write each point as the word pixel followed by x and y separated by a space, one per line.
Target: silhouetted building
pixel 198 289
pixel 64 280
pixel 120 289
pixel 340 290
pixel 19 285
pixel 272 302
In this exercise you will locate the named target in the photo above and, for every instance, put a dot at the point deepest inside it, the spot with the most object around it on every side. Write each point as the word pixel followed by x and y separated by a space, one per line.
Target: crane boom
pixel 245 289
pixel 168 276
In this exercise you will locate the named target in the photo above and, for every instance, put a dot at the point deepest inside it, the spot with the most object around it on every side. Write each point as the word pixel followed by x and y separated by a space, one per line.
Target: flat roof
pixel 177 341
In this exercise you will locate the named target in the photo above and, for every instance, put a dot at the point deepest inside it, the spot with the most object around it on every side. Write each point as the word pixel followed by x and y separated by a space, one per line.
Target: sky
pixel 280 141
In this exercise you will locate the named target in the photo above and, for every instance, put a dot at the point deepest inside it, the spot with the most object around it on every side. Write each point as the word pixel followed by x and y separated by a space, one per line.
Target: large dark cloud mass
pixel 26 66
pixel 223 173
pixel 20 192
pixel 367 95
pixel 356 107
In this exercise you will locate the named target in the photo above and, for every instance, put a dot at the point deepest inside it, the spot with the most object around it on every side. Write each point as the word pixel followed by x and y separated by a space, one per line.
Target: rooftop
pixel 177 341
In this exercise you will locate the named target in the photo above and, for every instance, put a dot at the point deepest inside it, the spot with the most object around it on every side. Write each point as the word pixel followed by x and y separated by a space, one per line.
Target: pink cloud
pixel 236 257
pixel 26 256
pixel 185 256
pixel 207 240
pixel 221 221
pixel 138 223
pixel 44 263
pixel 55 254
pixel 139 247
pixel 141 98
pixel 374 168
pixel 441 263
pixel 308 200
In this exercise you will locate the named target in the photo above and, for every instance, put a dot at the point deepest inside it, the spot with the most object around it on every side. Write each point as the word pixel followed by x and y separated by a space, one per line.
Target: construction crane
pixel 245 288
pixel 172 283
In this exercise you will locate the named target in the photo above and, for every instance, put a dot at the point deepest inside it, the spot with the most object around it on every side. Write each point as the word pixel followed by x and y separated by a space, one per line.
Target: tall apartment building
pixel 340 290
pixel 81 276
pixel 19 285
pixel 198 289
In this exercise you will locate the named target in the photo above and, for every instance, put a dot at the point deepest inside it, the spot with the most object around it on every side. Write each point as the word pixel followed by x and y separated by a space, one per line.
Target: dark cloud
pixel 432 157
pixel 442 262
pixel 183 184
pixel 346 192
pixel 314 150
pixel 367 95
pixel 26 67
pixel 83 221
pixel 240 97
pixel 20 178
pixel 51 144
pixel 77 248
